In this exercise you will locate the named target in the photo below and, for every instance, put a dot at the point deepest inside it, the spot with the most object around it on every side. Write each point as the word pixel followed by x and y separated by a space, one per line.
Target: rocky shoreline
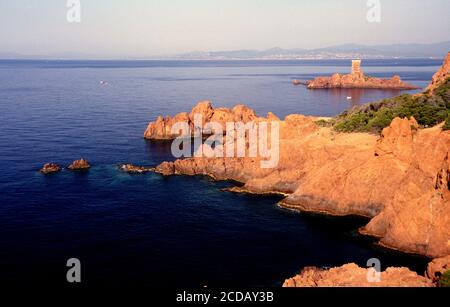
pixel 390 179
pixel 400 180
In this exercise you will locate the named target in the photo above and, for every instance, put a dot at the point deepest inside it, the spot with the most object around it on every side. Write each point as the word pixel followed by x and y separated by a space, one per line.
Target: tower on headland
pixel 356 67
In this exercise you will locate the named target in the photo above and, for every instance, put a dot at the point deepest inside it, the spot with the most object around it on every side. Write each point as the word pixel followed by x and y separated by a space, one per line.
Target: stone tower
pixel 356 67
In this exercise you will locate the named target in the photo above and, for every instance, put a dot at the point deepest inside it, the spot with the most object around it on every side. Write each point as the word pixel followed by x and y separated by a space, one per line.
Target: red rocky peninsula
pixel 399 179
pixel 357 79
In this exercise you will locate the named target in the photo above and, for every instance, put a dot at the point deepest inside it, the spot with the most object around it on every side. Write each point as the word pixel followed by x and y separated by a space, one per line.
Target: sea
pixel 146 230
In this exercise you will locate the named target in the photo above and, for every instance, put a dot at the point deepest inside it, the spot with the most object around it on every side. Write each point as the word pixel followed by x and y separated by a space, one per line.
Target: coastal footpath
pixel 400 179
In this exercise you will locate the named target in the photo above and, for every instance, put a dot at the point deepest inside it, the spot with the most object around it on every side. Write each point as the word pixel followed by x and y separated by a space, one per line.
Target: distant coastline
pixel 337 61
pixel 343 52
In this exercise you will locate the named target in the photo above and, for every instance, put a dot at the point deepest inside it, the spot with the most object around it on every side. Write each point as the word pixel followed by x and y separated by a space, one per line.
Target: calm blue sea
pixel 145 229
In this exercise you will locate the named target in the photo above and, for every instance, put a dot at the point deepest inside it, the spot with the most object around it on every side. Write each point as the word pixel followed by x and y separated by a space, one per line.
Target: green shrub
pixel 354 122
pixel 373 117
pixel 444 89
pixel 444 280
pixel 381 119
pixel 447 124
pixel 324 123
pixel 428 112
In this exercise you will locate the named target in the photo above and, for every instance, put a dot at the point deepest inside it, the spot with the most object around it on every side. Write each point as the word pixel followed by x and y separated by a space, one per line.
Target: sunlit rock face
pixel 351 275
pixel 440 76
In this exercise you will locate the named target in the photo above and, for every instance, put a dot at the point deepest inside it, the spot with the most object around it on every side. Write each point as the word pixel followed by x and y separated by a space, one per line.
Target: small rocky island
pixel 357 79
pixel 79 165
pixel 50 168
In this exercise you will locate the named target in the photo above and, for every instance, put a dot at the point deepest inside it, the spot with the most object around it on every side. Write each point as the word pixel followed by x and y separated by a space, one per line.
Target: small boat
pixel 102 82
pixel 349 97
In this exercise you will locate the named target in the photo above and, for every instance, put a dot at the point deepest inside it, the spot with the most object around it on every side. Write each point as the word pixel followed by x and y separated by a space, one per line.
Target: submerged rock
pixel 50 168
pixel 130 168
pixel 79 165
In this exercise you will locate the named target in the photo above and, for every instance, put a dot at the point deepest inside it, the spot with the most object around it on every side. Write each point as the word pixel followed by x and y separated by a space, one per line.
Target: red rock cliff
pixel 440 76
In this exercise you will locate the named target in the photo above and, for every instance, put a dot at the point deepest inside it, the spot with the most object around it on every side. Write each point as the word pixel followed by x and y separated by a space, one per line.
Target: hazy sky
pixel 139 28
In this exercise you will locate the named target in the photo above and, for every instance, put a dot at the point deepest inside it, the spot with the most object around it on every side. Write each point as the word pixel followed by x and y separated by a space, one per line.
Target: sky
pixel 142 28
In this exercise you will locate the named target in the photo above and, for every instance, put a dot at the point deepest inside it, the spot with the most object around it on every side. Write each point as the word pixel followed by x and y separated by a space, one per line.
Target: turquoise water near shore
pixel 145 229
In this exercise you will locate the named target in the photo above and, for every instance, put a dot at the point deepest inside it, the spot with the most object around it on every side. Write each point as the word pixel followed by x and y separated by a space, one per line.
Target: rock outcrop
pixel 437 267
pixel 440 76
pixel 161 129
pixel 351 275
pixel 79 165
pixel 50 168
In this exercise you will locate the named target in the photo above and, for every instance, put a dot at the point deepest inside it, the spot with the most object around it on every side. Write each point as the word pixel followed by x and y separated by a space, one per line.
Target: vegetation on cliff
pixel 427 109
pixel 444 280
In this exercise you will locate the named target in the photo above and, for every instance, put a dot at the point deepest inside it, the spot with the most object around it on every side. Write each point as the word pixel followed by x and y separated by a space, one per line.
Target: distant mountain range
pixel 345 51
